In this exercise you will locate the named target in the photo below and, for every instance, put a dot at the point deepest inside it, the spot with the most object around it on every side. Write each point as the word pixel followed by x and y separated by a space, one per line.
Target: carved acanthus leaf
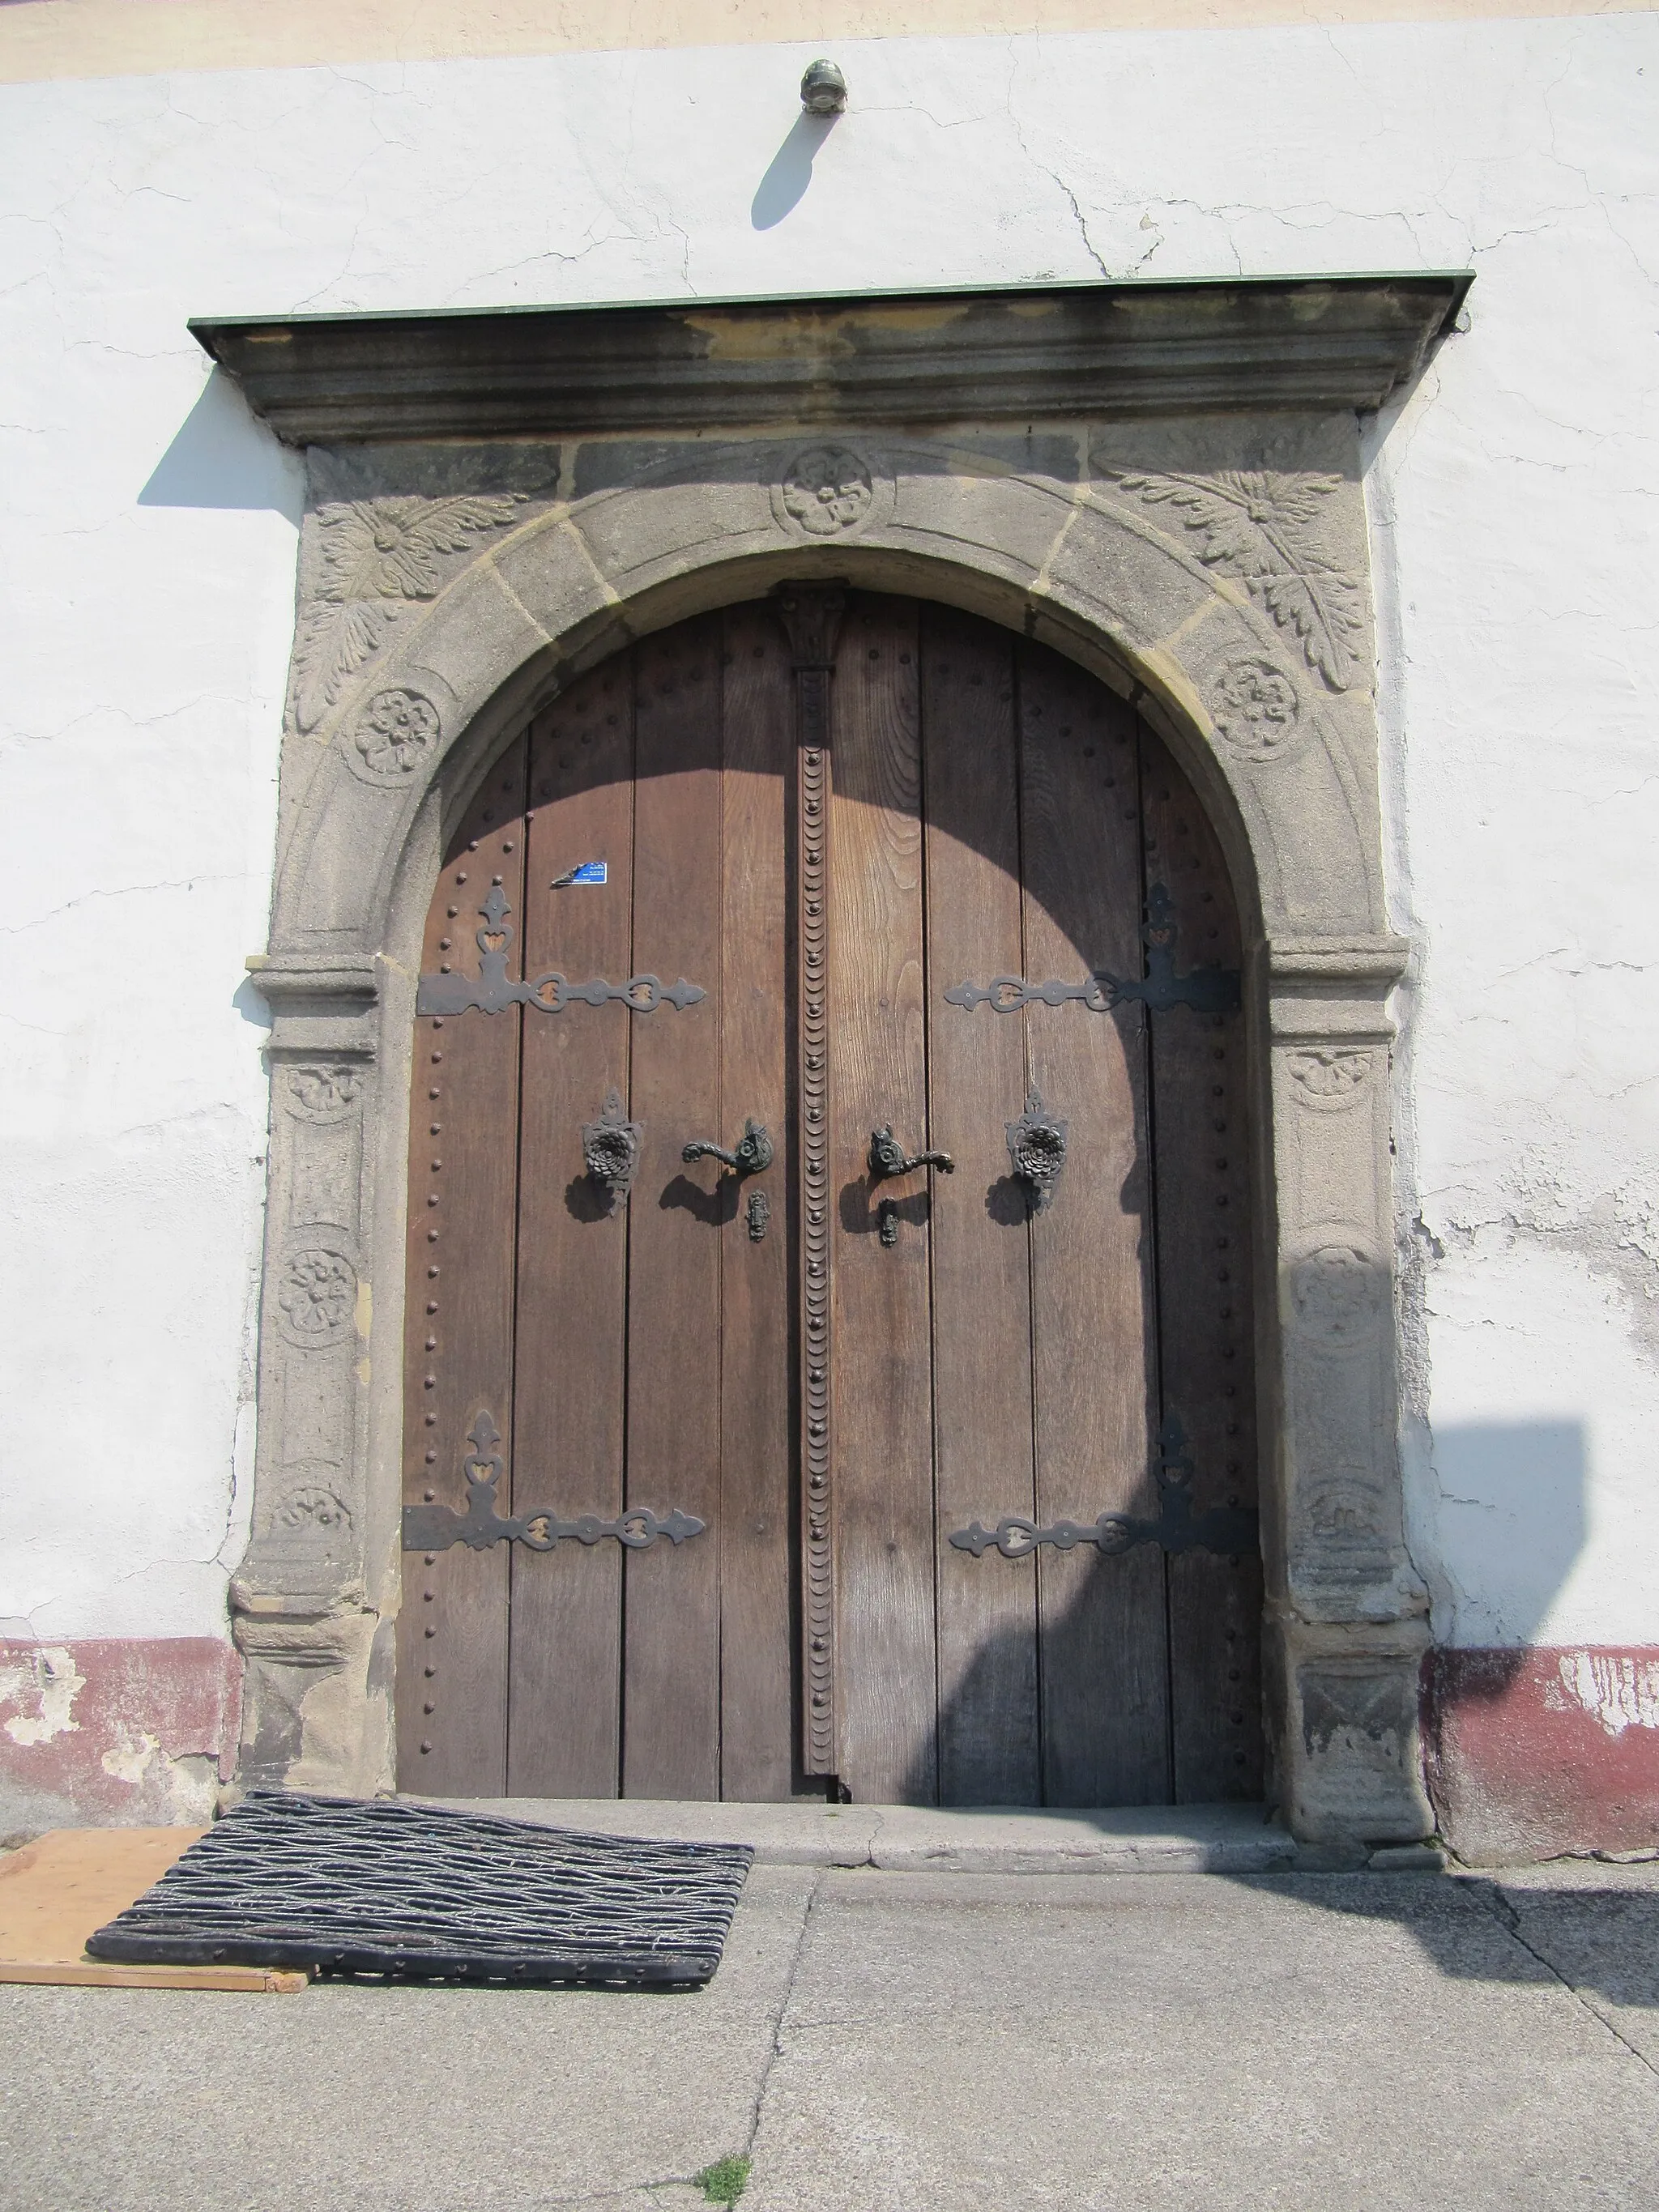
pixel 377 557
pixel 1258 527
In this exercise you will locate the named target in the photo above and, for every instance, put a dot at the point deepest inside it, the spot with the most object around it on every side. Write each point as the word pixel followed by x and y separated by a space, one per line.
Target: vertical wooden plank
pixel 1202 1209
pixel 987 1726
pixel 882 1415
pixel 670 1695
pixel 1105 1719
pixel 453 1626
pixel 758 1731
pixel 565 1728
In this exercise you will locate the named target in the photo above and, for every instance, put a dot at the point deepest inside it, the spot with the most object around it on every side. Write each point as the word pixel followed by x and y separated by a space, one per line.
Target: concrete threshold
pixel 917 1838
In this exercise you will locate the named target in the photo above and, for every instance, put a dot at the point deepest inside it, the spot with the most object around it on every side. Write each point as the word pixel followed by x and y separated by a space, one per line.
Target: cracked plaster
pixel 1512 503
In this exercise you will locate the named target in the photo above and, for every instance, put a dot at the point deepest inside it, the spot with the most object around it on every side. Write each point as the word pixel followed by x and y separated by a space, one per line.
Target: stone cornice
pixel 1310 343
pixel 1318 963
pixel 307 983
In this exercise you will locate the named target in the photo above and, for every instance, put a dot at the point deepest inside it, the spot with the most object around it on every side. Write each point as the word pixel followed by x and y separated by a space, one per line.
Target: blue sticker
pixel 590 871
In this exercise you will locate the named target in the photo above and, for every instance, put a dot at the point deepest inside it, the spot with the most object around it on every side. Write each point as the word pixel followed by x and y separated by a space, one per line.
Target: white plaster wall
pixel 1513 497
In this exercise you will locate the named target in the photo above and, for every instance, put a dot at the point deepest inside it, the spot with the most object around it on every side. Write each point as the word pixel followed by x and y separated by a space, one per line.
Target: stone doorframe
pixel 1208 561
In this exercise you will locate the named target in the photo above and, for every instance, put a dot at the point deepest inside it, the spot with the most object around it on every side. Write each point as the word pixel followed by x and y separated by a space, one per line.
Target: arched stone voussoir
pixel 716 522
pixel 1267 731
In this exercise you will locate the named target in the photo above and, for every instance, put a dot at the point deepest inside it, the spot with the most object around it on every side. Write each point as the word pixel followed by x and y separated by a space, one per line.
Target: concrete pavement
pixel 1359 2042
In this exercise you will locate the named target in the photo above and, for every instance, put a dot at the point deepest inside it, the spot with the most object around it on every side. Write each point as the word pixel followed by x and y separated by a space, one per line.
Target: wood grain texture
pixel 978 806
pixel 753 1530
pixel 565 1726
pixel 462 1191
pixel 981 1288
pixel 671 1645
pixel 1105 1715
pixel 882 1412
pixel 1202 1208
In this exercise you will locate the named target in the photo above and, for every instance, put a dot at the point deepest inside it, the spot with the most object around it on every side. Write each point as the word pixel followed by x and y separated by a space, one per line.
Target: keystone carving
pixel 826 489
pixel 377 557
pixel 1261 529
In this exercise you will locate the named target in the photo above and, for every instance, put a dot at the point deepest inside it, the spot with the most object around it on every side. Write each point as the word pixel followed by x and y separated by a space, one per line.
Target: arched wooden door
pixel 909 1450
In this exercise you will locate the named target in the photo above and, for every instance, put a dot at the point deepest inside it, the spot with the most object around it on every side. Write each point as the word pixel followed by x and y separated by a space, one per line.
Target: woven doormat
pixel 345 1886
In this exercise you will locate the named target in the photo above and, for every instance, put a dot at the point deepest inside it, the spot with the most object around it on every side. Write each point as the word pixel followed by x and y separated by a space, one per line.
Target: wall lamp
pixel 823 89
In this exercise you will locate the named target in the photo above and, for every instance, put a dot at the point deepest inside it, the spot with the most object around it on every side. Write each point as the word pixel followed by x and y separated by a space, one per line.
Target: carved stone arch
pixel 1211 568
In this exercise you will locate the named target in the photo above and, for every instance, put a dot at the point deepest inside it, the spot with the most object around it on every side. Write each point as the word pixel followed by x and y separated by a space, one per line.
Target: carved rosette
pixel 316 1291
pixel 393 737
pixel 1254 711
pixel 1339 1293
pixel 825 491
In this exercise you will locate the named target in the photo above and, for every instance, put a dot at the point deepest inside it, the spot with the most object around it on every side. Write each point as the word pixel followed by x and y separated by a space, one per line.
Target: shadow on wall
pixel 784 186
pixel 222 456
pixel 1511 1505
pixel 1531 1749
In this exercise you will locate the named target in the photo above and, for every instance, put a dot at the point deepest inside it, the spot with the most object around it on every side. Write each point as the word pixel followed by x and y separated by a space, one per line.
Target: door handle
pixel 752 1154
pixel 610 1150
pixel 887 1156
pixel 1037 1150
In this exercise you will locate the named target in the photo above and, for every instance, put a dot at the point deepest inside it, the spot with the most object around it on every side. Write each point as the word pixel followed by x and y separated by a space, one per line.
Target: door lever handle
pixel 887 1156
pixel 752 1154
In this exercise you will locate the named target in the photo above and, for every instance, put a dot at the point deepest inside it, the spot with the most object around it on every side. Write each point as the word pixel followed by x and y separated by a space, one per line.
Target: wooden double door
pixel 834 1464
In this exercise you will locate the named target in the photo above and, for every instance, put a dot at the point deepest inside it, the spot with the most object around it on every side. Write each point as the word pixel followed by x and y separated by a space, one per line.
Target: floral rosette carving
pixel 316 1294
pixel 1255 710
pixel 395 732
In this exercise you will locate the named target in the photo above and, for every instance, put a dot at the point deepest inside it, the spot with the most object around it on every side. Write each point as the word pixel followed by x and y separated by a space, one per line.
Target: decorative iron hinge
pixel 493 992
pixel 1206 990
pixel 435 1527
pixel 1228 1529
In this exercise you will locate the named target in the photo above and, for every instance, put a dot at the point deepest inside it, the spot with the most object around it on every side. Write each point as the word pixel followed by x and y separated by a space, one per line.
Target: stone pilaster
pixel 1347 1612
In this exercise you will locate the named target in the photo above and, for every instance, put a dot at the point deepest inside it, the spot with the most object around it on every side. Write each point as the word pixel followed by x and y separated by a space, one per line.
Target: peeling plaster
pixel 184 1789
pixel 1619 1691
pixel 50 1675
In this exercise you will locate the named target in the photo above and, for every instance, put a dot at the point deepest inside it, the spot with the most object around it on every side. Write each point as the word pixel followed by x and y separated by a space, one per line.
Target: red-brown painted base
pixel 1536 1752
pixel 115 1732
